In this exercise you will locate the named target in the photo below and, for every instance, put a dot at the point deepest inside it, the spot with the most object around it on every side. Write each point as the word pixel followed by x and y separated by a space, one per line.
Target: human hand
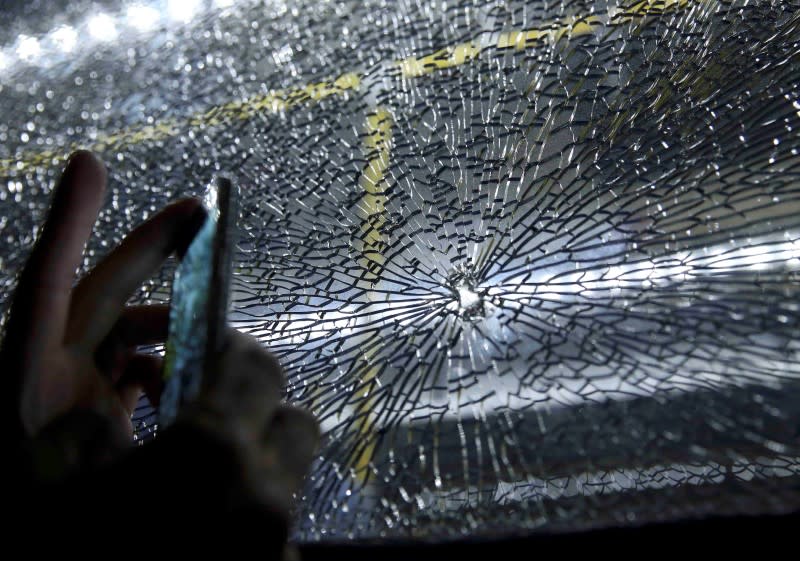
pixel 74 348
pixel 70 349
pixel 275 442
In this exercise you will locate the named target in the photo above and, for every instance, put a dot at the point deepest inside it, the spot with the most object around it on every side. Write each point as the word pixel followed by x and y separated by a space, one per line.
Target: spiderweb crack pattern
pixel 532 265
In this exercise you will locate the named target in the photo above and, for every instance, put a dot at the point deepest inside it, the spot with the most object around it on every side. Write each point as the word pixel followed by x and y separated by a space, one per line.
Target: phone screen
pixel 199 304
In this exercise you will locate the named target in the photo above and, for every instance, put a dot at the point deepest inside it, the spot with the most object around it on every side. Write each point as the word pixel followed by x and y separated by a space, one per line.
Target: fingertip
pixel 300 424
pixel 84 157
pixel 85 164
pixel 82 185
pixel 294 434
pixel 247 349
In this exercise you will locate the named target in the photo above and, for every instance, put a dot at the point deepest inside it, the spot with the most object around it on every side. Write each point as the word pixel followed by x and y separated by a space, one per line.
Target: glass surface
pixel 534 265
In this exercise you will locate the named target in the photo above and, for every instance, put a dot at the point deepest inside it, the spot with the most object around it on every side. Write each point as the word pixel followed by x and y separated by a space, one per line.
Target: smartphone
pixel 199 303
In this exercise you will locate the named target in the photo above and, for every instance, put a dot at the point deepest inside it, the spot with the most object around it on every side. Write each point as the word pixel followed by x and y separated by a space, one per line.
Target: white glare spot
pixel 223 3
pixel 65 37
pixel 142 17
pixel 28 47
pixel 182 10
pixel 102 27
pixel 4 61
pixel 467 298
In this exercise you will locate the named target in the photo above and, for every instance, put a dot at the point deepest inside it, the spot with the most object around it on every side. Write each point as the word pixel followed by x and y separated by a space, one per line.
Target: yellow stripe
pixel 411 67
pixel 527 38
pixel 273 102
pixel 441 59
pixel 645 8
pixel 457 55
pixel 377 146
pixel 551 33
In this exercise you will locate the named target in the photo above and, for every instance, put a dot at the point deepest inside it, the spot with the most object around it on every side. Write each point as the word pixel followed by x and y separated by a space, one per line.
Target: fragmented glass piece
pixel 533 265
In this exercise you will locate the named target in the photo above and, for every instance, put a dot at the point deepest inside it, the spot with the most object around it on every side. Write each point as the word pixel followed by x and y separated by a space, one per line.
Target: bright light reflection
pixel 102 27
pixel 138 16
pixel 467 298
pixel 65 37
pixel 556 283
pixel 142 17
pixel 183 10
pixel 28 47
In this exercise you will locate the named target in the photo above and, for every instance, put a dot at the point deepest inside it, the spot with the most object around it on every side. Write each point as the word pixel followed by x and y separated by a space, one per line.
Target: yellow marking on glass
pixel 372 182
pixel 273 102
pixel 412 67
pixel 644 8
pixel 527 38
pixel 377 146
pixel 448 57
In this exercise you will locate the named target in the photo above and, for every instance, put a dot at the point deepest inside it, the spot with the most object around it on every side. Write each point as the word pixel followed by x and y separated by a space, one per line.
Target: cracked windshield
pixel 533 265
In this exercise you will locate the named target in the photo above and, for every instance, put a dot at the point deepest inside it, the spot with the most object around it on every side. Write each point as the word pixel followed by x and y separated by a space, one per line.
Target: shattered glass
pixel 534 265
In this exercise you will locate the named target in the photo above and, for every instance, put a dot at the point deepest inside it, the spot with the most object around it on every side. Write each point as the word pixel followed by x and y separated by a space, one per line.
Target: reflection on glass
pixel 533 265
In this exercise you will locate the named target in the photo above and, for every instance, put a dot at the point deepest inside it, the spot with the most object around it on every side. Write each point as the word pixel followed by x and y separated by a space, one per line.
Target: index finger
pixel 100 297
pixel 41 302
